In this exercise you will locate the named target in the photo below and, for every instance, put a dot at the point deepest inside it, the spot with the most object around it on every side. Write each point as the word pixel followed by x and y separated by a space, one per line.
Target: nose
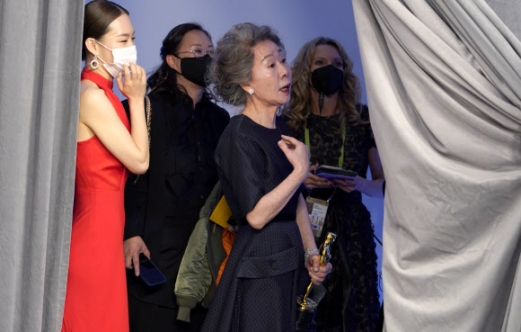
pixel 285 70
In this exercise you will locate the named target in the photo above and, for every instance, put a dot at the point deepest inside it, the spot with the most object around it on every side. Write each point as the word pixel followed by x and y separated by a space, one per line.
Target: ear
pixel 91 46
pixel 246 87
pixel 173 62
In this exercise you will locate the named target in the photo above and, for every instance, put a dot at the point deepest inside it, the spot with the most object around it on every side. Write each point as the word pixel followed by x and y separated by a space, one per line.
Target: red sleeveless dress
pixel 96 299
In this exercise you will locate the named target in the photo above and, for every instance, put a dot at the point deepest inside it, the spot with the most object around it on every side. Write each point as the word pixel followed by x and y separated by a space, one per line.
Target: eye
pixel 319 62
pixel 283 60
pixel 198 52
pixel 338 64
pixel 210 53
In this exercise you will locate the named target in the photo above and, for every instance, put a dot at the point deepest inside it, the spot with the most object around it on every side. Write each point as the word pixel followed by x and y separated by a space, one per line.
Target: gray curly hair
pixel 233 60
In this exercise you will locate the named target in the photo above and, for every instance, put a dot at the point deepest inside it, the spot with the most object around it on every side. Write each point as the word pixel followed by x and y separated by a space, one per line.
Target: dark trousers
pixel 149 317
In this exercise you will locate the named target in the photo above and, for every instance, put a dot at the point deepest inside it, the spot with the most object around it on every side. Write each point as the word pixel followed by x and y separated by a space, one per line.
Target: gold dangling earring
pixel 94 64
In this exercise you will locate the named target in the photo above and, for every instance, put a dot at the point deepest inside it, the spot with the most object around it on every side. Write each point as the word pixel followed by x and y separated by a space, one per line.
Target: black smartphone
pixel 149 273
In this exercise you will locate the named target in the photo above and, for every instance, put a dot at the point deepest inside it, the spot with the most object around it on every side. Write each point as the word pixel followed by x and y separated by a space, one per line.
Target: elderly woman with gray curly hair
pixel 261 169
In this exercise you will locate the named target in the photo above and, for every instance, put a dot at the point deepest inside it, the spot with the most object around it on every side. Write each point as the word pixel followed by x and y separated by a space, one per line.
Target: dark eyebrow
pixel 125 35
pixel 209 45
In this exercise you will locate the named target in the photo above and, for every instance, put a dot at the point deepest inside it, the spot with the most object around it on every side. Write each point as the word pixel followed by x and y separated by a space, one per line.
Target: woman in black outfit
pixel 162 206
pixel 326 114
pixel 261 170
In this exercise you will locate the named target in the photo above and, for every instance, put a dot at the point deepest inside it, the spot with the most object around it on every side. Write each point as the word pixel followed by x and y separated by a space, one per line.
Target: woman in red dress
pixel 108 147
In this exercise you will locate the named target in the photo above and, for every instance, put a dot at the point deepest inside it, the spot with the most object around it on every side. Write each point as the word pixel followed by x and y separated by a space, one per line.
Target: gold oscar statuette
pixel 304 302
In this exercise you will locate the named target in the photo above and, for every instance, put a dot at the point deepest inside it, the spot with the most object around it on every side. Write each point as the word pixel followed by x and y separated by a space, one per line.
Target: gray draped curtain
pixel 443 80
pixel 40 61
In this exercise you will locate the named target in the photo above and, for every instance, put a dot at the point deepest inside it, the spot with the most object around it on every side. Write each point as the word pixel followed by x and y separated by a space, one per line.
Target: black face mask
pixel 194 69
pixel 327 79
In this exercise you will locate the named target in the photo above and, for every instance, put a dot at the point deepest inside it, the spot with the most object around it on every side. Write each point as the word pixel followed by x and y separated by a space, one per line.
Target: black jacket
pixel 181 175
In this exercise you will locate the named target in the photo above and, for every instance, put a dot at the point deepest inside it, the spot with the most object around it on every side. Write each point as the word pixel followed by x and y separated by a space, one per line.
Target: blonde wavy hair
pixel 349 95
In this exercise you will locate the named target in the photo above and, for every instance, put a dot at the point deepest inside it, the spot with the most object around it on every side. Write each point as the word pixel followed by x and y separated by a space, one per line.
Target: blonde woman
pixel 326 115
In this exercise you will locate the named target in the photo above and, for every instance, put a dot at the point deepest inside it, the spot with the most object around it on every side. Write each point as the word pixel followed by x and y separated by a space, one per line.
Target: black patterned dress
pixel 352 302
pixel 265 271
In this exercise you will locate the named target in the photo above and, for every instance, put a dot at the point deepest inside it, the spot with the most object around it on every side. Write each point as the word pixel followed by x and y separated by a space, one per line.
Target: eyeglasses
pixel 198 53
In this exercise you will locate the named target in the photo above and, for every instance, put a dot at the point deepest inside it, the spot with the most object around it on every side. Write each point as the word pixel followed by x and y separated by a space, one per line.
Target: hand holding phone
pixel 331 172
pixel 149 273
pixel 133 247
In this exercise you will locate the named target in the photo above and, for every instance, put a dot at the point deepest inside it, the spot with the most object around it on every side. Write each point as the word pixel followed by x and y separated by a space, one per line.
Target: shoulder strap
pixel 148 115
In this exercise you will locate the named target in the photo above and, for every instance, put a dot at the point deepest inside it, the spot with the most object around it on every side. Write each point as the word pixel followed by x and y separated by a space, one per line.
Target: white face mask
pixel 122 56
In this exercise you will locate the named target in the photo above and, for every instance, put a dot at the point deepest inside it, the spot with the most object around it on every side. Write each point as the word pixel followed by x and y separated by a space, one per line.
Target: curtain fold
pixel 509 12
pixel 40 60
pixel 443 82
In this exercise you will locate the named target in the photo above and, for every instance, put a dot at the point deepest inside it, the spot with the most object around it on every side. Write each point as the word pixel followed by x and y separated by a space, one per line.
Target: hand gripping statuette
pixel 306 305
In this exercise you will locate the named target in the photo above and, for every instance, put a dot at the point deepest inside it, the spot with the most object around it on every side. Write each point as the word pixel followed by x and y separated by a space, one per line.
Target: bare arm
pixel 375 165
pixel 273 202
pixel 97 117
pixel 304 225
pixel 317 272
pixel 374 187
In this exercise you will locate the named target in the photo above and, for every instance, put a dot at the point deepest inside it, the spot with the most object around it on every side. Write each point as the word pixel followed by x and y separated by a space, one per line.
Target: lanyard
pixel 341 158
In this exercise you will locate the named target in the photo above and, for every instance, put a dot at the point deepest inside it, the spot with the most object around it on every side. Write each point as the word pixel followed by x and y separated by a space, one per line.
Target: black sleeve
pixel 126 107
pixel 240 168
pixel 136 193
pixel 220 119
pixel 136 190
